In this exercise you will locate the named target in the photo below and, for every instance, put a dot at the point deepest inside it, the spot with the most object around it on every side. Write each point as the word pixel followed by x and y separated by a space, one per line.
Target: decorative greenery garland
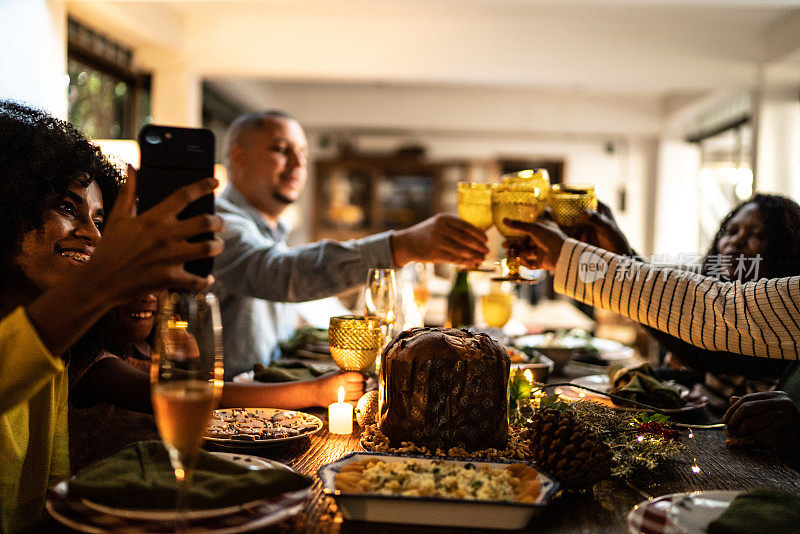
pixel 637 439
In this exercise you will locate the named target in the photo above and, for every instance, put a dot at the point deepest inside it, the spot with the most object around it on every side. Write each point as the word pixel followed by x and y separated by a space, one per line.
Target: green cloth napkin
pixel 280 373
pixel 760 511
pixel 639 385
pixel 303 336
pixel 140 477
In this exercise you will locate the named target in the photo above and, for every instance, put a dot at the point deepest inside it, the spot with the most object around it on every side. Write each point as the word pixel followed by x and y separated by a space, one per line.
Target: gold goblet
pixel 497 305
pixel 568 205
pixel 521 196
pixel 474 203
pixel 355 341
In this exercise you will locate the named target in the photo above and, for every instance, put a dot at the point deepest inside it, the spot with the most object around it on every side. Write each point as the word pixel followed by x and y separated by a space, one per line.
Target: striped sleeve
pixel 757 318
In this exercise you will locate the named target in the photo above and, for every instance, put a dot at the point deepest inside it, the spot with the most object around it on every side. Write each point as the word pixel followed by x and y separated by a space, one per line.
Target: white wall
pixel 676 216
pixel 778 143
pixel 33 62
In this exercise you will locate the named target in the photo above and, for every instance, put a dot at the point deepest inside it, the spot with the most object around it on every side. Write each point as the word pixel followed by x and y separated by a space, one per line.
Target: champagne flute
pixel 474 202
pixel 521 196
pixel 380 298
pixel 420 277
pixel 186 376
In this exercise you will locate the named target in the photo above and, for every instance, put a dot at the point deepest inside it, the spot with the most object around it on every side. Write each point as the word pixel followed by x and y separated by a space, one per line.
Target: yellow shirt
pixel 34 449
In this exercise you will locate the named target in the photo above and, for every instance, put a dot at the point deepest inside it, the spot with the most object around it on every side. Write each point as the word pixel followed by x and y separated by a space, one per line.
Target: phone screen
pixel 171 158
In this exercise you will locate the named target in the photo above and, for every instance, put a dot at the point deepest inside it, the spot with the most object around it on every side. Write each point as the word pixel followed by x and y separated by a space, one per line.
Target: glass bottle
pixel 460 302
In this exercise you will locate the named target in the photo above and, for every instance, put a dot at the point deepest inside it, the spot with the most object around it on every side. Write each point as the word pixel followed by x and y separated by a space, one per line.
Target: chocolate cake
pixel 443 388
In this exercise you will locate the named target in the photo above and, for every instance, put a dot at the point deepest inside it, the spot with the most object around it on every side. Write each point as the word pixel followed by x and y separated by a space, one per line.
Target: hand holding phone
pixel 171 158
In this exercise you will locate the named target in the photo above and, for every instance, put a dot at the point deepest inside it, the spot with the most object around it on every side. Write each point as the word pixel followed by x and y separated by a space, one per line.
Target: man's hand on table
pixel 543 245
pixel 769 420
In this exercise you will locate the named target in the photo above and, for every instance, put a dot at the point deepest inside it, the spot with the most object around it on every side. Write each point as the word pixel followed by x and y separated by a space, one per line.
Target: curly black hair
pixel 40 158
pixel 780 218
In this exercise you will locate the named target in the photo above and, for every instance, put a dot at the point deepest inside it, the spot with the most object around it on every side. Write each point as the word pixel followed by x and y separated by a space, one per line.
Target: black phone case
pixel 171 158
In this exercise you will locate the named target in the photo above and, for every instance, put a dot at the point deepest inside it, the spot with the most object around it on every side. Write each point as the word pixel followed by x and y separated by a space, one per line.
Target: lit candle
pixel 340 416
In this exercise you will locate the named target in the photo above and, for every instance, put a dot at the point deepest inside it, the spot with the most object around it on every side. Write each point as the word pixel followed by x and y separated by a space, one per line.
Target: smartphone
pixel 171 158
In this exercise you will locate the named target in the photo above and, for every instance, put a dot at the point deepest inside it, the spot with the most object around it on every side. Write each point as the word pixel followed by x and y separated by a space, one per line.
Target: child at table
pixel 110 393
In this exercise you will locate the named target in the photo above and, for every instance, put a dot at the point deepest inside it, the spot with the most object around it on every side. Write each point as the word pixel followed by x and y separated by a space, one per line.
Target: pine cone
pixel 566 448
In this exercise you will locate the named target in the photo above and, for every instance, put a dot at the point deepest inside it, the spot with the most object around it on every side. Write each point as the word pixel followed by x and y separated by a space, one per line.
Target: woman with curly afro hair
pixel 759 238
pixel 57 279
pixel 40 159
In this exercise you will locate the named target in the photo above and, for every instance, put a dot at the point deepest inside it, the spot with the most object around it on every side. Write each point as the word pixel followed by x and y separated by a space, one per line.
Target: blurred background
pixel 675 109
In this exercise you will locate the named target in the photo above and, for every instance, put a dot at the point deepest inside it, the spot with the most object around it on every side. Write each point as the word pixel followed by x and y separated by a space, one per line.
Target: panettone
pixel 444 388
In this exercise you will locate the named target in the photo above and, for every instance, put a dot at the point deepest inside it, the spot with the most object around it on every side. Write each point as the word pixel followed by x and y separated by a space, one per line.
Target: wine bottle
pixel 460 303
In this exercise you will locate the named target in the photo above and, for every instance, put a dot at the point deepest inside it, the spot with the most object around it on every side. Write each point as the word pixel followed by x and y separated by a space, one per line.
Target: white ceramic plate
pixel 679 513
pixel 432 510
pixel 85 516
pixel 603 383
pixel 261 443
pixel 608 349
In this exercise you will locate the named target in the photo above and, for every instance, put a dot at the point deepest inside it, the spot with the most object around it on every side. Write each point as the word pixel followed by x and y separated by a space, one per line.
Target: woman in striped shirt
pixel 760 318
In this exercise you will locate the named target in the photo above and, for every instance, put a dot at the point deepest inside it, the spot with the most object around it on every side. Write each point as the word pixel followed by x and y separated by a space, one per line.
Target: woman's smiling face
pixel 70 232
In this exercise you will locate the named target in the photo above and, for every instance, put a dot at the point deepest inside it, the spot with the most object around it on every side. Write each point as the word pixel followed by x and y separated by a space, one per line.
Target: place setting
pixel 173 485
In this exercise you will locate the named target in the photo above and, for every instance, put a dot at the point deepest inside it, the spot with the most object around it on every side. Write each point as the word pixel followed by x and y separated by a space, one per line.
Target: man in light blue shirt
pixel 258 276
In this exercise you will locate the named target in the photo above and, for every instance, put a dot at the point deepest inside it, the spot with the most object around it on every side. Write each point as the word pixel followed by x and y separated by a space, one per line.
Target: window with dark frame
pixel 108 98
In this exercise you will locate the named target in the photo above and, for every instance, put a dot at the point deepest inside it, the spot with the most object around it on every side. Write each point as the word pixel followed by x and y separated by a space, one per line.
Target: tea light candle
pixel 340 416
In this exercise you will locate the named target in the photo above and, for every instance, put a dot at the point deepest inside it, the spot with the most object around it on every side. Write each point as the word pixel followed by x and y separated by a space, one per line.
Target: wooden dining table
pixel 604 508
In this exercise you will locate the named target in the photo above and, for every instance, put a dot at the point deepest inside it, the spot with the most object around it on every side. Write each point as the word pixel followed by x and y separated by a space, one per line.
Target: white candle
pixel 340 416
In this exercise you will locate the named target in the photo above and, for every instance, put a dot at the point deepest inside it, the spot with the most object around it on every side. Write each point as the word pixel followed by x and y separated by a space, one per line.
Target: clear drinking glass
pixel 521 196
pixel 420 278
pixel 380 297
pixel 186 376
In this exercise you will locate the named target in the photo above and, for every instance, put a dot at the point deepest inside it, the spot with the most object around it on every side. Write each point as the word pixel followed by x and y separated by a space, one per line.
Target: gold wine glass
pixel 475 204
pixel 474 201
pixel 186 376
pixel 568 205
pixel 355 341
pixel 497 305
pixel 521 196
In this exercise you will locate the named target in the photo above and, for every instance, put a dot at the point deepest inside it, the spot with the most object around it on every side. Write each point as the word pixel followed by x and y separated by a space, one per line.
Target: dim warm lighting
pixel 528 375
pixel 340 416
pixel 177 325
